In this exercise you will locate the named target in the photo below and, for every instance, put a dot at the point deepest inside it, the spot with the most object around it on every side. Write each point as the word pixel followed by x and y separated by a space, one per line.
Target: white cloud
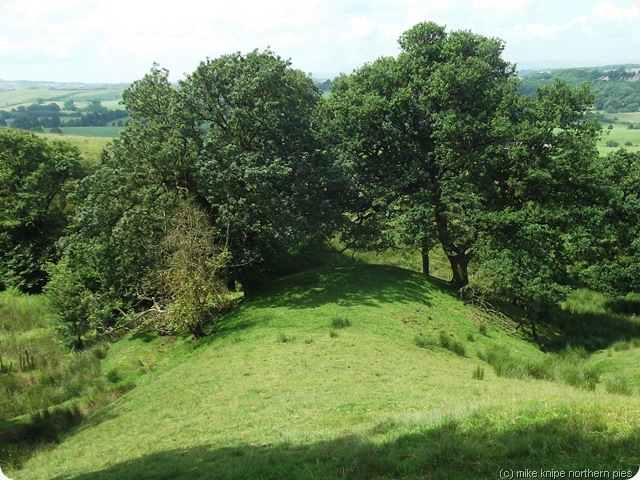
pixel 610 11
pixel 105 40
pixel 549 31
pixel 359 28
pixel 586 23
pixel 501 5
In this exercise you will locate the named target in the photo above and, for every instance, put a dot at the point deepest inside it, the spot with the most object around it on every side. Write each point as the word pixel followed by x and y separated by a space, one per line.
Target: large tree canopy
pixel 416 132
pixel 616 268
pixel 237 138
pixel 34 184
pixel 544 214
pixel 440 145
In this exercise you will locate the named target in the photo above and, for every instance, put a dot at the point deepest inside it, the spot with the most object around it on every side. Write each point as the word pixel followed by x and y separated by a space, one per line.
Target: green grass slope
pixel 344 373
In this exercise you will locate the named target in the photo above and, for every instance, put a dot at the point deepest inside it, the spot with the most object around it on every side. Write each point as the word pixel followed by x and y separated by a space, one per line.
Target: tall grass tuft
pixel 569 366
pixel 340 322
pixel 618 386
pixel 478 373
pixel 421 341
pixel 284 337
pixel 503 363
pixel 38 375
pixel 452 344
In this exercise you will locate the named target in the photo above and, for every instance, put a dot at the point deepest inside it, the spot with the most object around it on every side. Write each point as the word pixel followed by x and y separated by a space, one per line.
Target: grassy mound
pixel 356 372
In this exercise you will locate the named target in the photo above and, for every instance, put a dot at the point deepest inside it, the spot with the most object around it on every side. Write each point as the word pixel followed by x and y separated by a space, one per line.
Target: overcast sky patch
pixel 119 40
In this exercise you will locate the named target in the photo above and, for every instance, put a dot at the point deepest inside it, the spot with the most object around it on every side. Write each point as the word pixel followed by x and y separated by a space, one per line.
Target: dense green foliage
pixel 416 134
pixel 544 213
pixel 243 172
pixel 35 181
pixel 615 89
pixel 618 268
pixel 434 148
pixel 237 138
pixel 442 150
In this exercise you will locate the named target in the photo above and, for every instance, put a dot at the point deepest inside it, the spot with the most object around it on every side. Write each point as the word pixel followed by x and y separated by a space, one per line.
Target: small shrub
pixel 483 330
pixel 628 143
pixel 284 337
pixel 471 337
pixel 623 345
pixel 612 143
pixel 618 386
pixel 340 322
pixel 452 344
pixel 503 364
pixel 421 341
pixel 189 280
pixel 478 373
pixel 101 350
pixel 113 376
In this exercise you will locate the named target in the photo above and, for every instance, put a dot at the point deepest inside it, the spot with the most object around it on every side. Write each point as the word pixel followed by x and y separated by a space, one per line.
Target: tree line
pixel 38 116
pixel 616 90
pixel 243 171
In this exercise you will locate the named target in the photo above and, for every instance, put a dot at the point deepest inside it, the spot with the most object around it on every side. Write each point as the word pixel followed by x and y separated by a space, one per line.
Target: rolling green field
pixel 90 147
pixel 99 132
pixel 110 98
pixel 620 133
pixel 362 372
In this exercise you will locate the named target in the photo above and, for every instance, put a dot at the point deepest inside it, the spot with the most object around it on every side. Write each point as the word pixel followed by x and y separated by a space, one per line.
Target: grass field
pixel 620 133
pixel 45 388
pixel 110 98
pixel 90 147
pixel 362 372
pixel 101 132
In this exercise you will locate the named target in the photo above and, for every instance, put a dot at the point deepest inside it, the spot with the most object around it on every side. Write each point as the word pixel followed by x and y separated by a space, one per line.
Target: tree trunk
pixel 460 269
pixel 249 280
pixel 424 251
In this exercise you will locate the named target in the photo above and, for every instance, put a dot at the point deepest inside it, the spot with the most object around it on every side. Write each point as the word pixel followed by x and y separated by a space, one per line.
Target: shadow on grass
pixel 369 285
pixel 346 286
pixel 591 331
pixel 20 437
pixel 450 451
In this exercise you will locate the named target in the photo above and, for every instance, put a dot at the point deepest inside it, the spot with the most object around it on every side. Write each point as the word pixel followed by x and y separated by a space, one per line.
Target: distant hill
pixel 617 87
pixel 34 85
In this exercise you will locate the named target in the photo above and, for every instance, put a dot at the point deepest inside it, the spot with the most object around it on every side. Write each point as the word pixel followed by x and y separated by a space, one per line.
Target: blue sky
pixel 119 40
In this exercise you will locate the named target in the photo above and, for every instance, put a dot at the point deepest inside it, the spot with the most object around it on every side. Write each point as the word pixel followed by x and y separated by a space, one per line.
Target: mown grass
pixel 367 403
